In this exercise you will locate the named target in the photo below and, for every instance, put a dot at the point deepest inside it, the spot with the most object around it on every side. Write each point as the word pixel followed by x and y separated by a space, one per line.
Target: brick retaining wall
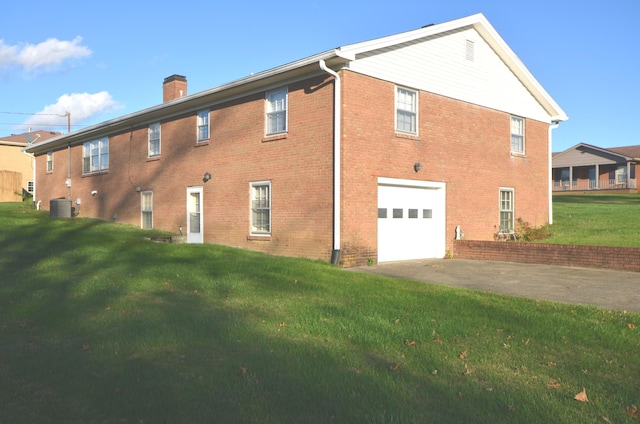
pixel 606 257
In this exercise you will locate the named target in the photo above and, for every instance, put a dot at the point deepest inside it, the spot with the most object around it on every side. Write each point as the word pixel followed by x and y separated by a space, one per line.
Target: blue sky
pixel 106 59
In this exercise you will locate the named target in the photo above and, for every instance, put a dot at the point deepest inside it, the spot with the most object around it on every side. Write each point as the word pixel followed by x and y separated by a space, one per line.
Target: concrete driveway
pixel 617 290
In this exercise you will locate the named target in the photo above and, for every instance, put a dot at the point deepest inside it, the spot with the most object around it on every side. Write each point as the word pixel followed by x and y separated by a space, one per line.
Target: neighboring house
pixel 12 158
pixel 375 151
pixel 584 167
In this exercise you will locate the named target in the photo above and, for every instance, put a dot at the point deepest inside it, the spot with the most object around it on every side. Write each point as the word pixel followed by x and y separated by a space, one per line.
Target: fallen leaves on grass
pixel 437 340
pixel 463 355
pixel 395 367
pixel 582 396
pixel 631 326
pixel 553 384
pixel 242 374
pixel 633 411
pixel 410 342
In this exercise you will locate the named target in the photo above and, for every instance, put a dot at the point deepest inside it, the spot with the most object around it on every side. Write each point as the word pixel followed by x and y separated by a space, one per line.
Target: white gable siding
pixel 439 65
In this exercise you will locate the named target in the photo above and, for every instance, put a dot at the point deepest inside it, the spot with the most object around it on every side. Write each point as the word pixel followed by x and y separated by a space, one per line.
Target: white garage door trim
pixel 412 218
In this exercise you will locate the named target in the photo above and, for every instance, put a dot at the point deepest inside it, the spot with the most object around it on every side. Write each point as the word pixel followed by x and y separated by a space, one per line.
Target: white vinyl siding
pixel 406 110
pixel 276 111
pixel 506 205
pixel 95 156
pixel 146 206
pixel 261 208
pixel 517 135
pixel 440 65
pixel 203 125
pixel 154 140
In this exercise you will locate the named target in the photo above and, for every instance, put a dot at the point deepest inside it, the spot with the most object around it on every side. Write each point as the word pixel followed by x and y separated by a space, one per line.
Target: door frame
pixel 195 237
pixel 437 192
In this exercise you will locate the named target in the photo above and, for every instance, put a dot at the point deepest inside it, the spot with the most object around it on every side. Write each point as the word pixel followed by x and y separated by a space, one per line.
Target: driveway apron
pixel 608 289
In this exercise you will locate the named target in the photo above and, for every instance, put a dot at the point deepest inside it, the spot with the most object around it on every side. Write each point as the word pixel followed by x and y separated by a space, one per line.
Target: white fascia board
pixel 409 36
pixel 491 36
pixel 192 101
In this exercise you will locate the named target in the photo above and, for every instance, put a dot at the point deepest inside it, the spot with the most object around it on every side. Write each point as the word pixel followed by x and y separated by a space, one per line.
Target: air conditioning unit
pixel 60 208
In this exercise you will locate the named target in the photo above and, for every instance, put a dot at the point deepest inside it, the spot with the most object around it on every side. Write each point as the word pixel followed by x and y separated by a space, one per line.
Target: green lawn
pixel 597 219
pixel 100 325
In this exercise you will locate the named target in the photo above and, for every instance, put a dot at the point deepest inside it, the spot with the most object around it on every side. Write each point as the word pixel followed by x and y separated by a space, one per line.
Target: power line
pixel 35 113
pixel 38 125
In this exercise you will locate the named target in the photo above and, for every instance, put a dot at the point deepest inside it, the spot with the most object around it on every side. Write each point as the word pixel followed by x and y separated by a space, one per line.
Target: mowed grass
pixel 100 325
pixel 596 219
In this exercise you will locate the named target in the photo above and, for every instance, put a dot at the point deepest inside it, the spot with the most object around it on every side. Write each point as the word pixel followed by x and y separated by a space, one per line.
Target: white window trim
pixel 415 111
pixel 150 131
pixel 253 231
pixel 511 134
pixel 142 210
pixel 30 186
pixel 199 118
pixel 621 174
pixel 512 210
pixel 267 111
pixel 103 144
pixel 50 161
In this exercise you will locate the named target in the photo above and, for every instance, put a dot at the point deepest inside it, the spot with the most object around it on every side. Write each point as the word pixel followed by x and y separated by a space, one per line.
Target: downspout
pixel 552 127
pixel 335 255
pixel 69 168
pixel 33 172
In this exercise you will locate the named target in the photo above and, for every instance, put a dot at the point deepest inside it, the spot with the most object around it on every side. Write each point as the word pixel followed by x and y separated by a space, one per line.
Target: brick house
pixel 374 151
pixel 586 168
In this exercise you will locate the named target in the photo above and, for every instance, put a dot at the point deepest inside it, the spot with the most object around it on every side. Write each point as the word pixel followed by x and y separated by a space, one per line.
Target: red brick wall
pixel 299 166
pixel 464 145
pixel 620 258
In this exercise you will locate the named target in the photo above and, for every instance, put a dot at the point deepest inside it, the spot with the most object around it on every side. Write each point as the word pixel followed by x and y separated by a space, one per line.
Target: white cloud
pixel 82 107
pixel 46 55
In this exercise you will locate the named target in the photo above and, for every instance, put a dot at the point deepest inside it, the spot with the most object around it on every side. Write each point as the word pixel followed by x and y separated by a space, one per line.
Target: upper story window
pixel 203 125
pixel 276 111
pixel 30 186
pixel 154 139
pixel 406 110
pixel 95 156
pixel 261 208
pixel 49 161
pixel 517 135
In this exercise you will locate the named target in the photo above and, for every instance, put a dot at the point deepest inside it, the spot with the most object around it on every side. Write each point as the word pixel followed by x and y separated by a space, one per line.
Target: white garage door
pixel 411 219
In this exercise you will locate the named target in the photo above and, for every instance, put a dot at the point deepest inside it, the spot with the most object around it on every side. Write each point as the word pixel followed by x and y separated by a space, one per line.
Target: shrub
pixel 524 231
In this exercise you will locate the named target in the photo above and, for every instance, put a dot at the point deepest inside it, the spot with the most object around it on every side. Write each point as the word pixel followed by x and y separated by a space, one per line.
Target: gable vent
pixel 469 50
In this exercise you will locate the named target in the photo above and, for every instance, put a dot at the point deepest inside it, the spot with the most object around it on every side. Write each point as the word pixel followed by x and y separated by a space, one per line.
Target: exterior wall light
pixel 417 166
pixel 206 177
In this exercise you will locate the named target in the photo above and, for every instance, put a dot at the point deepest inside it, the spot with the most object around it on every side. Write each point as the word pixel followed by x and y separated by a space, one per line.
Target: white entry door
pixel 411 220
pixel 194 215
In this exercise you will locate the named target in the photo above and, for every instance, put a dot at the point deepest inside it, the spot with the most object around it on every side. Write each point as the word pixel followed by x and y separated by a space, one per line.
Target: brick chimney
pixel 174 87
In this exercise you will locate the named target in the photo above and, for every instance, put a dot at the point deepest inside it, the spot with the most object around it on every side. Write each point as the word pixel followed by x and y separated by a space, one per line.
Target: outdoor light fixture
pixel 206 177
pixel 417 166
